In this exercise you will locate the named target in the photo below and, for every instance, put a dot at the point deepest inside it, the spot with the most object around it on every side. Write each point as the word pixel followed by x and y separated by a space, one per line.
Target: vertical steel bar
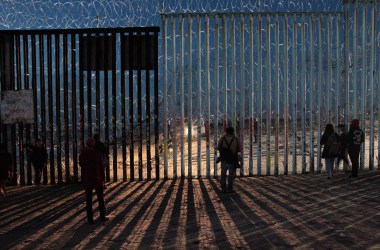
pixel 34 87
pixel 156 138
pixel 97 81
pixel 199 96
pixel 294 91
pixel 242 93
pixel 225 85
pixel 66 107
pixel 268 95
pixel 371 84
pixel 89 84
pixel 260 94
pixel 363 82
pixel 319 89
pixel 114 115
pixel 182 104
pixel 174 97
pixel 303 93
pixel 286 97
pixel 147 106
pixel 338 91
pixel 276 94
pixel 58 131
pixel 74 107
pixel 347 64
pixel 26 74
pixel 81 96
pixel 329 70
pixel 20 126
pixel 252 94
pixel 190 98
pixel 355 61
pixel 106 101
pixel 139 105
pixel 233 75
pixel 165 97
pixel 217 89
pixel 131 112
pixel 311 94
pixel 208 104
pixel 50 108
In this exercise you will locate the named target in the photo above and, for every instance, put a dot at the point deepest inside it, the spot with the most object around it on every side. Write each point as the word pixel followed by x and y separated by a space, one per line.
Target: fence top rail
pixel 249 14
pixel 150 29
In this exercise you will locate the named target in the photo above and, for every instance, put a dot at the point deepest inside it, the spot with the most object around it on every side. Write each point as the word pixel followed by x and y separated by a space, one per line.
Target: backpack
pixel 333 145
pixel 227 155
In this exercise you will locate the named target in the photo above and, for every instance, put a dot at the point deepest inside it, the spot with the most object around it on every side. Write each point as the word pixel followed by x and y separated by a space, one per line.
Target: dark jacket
pixel 324 139
pixel 91 162
pixel 38 156
pixel 5 165
pixel 355 138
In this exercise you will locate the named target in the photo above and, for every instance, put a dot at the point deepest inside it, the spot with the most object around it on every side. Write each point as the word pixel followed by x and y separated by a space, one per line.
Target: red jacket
pixel 91 162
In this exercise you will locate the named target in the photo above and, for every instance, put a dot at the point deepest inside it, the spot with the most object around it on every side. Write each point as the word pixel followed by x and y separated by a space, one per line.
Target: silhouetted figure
pixel 5 169
pixel 355 138
pixel 342 145
pixel 330 139
pixel 103 149
pixel 91 162
pixel 228 144
pixel 38 157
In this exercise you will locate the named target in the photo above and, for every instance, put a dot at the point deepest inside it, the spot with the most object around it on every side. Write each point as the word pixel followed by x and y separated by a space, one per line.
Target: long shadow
pixel 44 200
pixel 256 232
pixel 316 218
pixel 192 227
pixel 85 230
pixel 128 229
pixel 33 201
pixel 174 222
pixel 220 234
pixel 293 207
pixel 80 212
pixel 150 232
pixel 38 223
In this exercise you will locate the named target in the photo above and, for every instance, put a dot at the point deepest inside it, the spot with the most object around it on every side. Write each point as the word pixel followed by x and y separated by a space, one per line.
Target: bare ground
pixel 284 212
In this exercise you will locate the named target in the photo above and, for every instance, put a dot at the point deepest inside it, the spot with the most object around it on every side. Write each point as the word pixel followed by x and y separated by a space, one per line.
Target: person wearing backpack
pixel 229 148
pixel 355 138
pixel 330 140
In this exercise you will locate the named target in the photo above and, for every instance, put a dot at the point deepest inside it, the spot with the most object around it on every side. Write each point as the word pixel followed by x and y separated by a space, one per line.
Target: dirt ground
pixel 285 212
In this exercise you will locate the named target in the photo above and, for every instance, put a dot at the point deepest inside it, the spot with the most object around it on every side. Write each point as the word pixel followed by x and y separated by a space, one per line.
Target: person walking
pixel 330 140
pixel 38 157
pixel 355 138
pixel 92 167
pixel 229 148
pixel 5 169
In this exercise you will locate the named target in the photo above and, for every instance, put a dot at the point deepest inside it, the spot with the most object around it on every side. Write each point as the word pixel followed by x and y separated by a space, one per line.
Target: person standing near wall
pixel 355 138
pixel 103 149
pixel 330 140
pixel 38 157
pixel 229 148
pixel 5 169
pixel 92 167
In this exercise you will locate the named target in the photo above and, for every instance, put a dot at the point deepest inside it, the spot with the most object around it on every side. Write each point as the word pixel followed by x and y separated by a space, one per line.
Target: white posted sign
pixel 17 106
